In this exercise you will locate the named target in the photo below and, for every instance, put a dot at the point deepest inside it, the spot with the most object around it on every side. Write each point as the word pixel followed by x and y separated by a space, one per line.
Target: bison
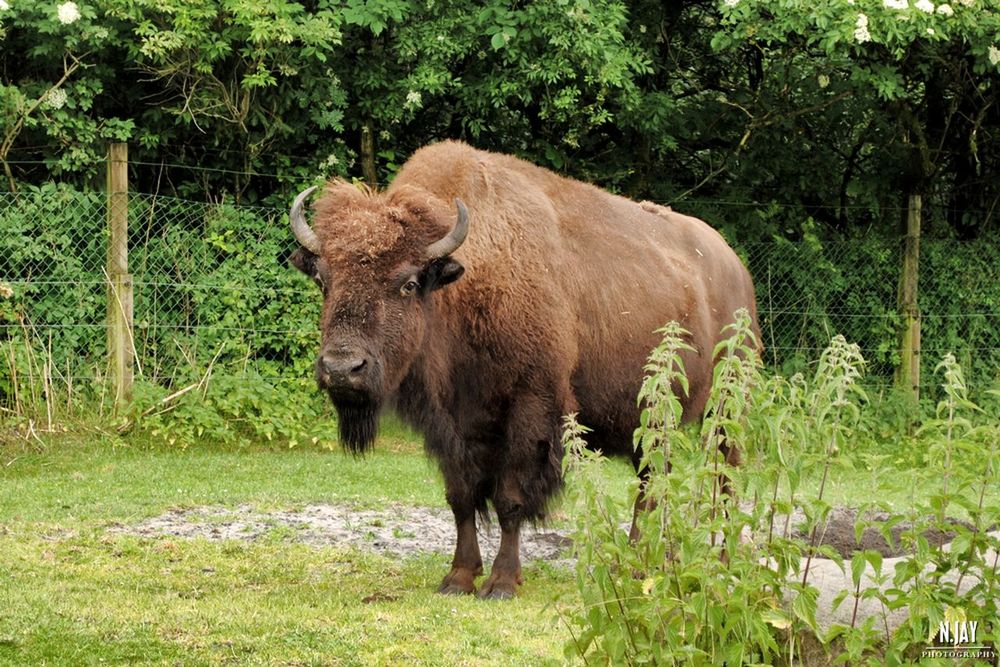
pixel 482 298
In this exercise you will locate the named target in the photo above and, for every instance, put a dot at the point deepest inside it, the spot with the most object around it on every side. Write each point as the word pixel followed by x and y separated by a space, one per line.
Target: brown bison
pixel 483 298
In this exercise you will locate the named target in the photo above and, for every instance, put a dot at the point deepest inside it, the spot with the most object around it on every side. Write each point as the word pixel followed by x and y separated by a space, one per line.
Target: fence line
pixel 210 275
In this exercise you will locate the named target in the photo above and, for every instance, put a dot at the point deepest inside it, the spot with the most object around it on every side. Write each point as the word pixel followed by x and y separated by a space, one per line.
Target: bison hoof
pixel 498 593
pixel 447 588
pixel 496 588
pixel 459 581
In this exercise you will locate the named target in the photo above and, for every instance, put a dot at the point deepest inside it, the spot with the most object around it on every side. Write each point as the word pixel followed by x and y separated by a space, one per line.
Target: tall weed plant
pixel 722 568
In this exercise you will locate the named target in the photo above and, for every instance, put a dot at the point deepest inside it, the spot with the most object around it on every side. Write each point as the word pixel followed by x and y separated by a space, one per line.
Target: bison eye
pixel 409 287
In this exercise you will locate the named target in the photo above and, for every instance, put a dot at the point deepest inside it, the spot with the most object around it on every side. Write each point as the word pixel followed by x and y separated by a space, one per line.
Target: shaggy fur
pixel 563 289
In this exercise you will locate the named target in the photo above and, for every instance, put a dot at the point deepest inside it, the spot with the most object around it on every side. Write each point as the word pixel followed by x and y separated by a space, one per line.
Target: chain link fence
pixel 213 291
pixel 807 293
pixel 211 282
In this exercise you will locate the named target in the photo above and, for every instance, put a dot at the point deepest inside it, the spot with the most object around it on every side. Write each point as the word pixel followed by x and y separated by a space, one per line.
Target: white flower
pixel 967 3
pixel 4 6
pixel 946 10
pixel 413 99
pixel 5 291
pixel 896 4
pixel 642 29
pixel 68 13
pixel 850 2
pixel 930 31
pixel 331 160
pixel 56 98
pixel 861 34
pixel 732 3
pixel 925 6
pixel 823 80
pixel 993 53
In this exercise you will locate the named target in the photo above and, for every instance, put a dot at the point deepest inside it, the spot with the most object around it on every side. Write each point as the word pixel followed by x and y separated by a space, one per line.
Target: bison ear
pixel 441 272
pixel 304 261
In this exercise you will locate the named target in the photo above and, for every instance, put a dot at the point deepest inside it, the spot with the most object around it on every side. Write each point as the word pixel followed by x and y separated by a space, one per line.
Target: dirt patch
pixel 398 530
pixel 839 534
pixel 402 531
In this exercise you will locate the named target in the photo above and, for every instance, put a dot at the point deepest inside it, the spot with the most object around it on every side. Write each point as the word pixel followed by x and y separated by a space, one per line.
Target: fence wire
pixel 213 289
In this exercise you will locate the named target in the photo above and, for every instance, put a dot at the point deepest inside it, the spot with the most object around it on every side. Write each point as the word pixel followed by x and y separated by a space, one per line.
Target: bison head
pixel 377 258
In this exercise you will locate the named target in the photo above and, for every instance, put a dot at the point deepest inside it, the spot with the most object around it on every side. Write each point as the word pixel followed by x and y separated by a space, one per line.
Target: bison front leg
pixel 505 576
pixel 467 563
pixel 531 475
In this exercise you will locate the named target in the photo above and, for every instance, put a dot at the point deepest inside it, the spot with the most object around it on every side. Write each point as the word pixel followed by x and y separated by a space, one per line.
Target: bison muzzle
pixel 482 298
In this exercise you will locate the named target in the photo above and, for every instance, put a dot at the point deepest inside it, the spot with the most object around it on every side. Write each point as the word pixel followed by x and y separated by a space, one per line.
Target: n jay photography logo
pixel 959 638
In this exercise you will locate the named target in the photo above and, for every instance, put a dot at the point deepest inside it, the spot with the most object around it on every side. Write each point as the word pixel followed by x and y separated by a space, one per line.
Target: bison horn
pixel 455 237
pixel 303 232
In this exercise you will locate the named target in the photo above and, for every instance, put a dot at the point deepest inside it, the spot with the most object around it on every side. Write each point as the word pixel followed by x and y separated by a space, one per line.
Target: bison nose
pixel 350 370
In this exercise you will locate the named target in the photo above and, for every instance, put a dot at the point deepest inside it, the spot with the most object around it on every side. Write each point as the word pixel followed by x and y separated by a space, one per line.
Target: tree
pixel 917 81
pixel 53 80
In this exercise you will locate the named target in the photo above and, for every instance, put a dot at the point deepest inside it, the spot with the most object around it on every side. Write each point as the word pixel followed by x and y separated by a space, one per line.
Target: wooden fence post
pixel 368 157
pixel 120 342
pixel 908 374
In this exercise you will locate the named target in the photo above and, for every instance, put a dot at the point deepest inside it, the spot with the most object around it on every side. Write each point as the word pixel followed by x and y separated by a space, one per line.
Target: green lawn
pixel 71 592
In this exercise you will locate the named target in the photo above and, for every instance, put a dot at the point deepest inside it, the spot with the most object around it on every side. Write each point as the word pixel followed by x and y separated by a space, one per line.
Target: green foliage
pixel 708 581
pixel 261 67
pixel 55 236
pixel 58 95
pixel 848 33
pixel 670 596
pixel 831 113
pixel 235 410
pixel 223 272
pixel 862 87
pixel 219 272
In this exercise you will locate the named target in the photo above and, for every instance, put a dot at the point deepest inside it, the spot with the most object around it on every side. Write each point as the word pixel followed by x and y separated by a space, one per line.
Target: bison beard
pixel 357 424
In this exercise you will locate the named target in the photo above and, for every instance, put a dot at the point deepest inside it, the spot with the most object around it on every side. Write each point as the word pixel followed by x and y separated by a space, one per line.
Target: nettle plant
pixel 710 580
pixel 687 588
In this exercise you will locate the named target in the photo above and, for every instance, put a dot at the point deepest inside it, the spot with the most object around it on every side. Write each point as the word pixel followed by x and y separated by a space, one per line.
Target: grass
pixel 74 593
pixel 70 480
pixel 89 599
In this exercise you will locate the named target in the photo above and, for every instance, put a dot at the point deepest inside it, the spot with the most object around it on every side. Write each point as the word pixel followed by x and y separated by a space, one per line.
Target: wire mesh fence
pixel 807 293
pixel 213 289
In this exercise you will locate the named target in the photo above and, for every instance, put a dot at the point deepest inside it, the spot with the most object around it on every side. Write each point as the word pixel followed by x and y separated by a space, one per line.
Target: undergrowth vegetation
pixel 710 580
pixel 199 403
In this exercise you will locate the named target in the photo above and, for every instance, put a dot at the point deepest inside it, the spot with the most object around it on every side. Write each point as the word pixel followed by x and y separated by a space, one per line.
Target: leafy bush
pixel 809 288
pixel 234 410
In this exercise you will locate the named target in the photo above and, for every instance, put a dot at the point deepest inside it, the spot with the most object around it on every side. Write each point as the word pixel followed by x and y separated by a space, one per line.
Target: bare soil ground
pixel 839 534
pixel 395 531
pixel 402 531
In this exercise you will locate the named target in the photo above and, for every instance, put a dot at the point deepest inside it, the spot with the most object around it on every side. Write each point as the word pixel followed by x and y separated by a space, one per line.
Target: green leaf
pixel 776 618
